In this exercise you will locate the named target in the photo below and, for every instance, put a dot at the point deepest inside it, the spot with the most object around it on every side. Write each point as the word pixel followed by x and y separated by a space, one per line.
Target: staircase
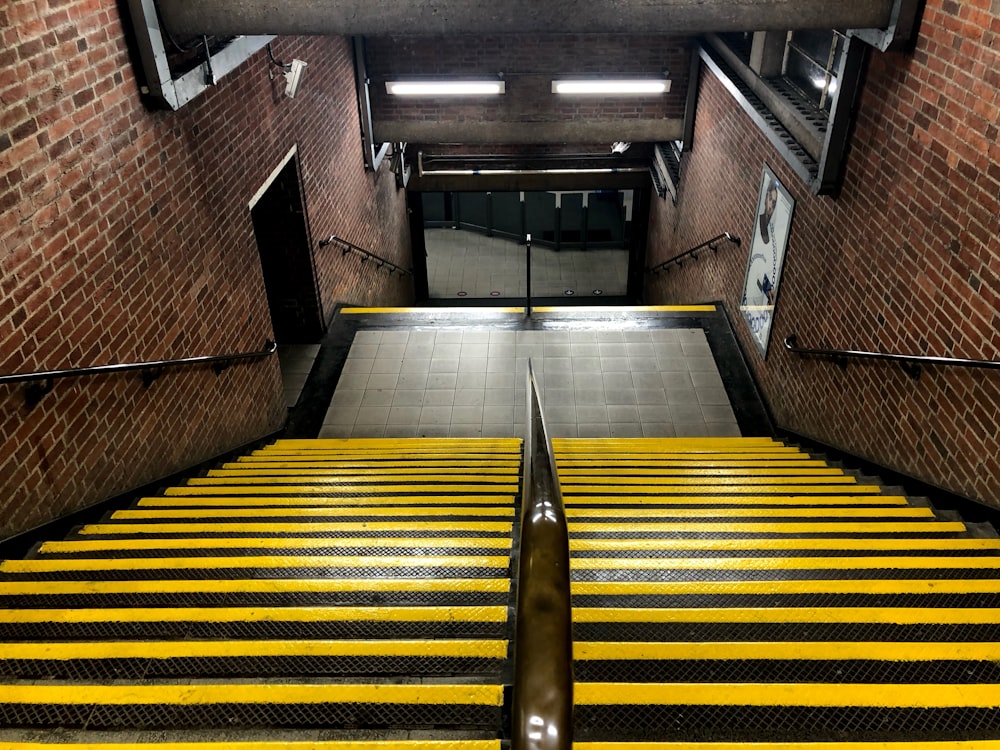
pixel 738 593
pixel 354 595
pixel 358 587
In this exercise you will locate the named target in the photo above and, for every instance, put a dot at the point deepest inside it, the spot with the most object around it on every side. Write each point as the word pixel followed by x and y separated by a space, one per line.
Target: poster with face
pixel 772 221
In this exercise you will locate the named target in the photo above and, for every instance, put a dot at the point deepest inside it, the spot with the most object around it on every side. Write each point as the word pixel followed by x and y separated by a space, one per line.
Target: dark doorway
pixel 281 230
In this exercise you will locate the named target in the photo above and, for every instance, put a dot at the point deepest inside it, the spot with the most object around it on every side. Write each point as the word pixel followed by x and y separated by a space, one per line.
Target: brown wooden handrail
pixel 543 642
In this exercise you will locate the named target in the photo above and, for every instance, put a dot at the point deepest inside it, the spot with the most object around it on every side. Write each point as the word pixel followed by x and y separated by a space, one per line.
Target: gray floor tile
pixel 587 365
pixel 368 431
pixel 499 380
pixel 718 413
pixel 667 351
pixel 477 350
pixel 395 337
pixel 357 366
pixel 648 396
pixel 626 429
pixel 498 414
pixel 372 415
pixel 701 364
pixel 472 364
pixel 387 366
pixel 563 430
pixel 498 429
pixel 439 397
pixel 390 351
pixel 676 380
pixel 402 430
pixel 561 414
pixel 413 397
pixel 438 415
pixel 470 379
pixel 403 415
pixel 480 336
pixel 465 430
pixel 341 415
pixel 686 412
pixel 617 381
pixel 368 337
pixel 636 336
pixel 411 381
pixel 588 381
pixel 500 350
pixel 655 413
pixel 502 337
pixel 593 430
pixel 672 364
pixel 615 364
pixel 444 365
pixel 467 415
pixel 612 348
pixel 379 381
pixel 647 380
pixel 657 429
pixel 500 397
pixel 415 365
pixel 447 351
pixel 425 429
pixel 442 380
pixel 470 397
pixel 378 397
pixel 707 379
pixel 712 396
pixel 422 338
pixel 363 351
pixel 589 412
pixel 620 396
pixel 619 413
pixel 448 337
pixel 723 429
pixel 691 429
pixel 688 396
pixel 643 364
pixel 336 430
pixel 557 397
pixel 419 351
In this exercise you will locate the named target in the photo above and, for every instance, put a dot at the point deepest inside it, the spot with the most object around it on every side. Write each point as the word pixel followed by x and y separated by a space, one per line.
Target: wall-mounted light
pixel 445 88
pixel 612 86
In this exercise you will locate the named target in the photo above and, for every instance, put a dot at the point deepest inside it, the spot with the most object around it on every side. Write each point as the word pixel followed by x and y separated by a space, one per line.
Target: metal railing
pixel 711 244
pixel 380 262
pixel 41 382
pixel 543 642
pixel 911 363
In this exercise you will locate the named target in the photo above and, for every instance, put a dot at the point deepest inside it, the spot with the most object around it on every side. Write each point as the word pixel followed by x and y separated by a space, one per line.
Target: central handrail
pixel 543 642
pixel 349 247
pixel 151 369
pixel 679 259
pixel 911 363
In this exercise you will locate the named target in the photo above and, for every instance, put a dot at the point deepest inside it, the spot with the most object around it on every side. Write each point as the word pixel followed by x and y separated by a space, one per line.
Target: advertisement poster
pixel 772 221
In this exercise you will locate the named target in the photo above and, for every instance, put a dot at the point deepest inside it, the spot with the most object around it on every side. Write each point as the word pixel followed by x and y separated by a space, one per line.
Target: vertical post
pixel 527 276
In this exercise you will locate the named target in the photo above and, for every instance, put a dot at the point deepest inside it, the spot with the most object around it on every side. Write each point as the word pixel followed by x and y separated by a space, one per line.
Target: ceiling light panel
pixel 612 87
pixel 445 88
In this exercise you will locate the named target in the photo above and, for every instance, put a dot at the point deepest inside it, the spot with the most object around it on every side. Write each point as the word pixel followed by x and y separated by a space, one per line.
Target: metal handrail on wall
pixel 41 382
pixel 349 247
pixel 911 363
pixel 693 252
pixel 543 642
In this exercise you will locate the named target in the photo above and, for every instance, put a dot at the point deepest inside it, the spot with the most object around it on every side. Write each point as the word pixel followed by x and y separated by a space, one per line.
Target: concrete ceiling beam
pixel 435 17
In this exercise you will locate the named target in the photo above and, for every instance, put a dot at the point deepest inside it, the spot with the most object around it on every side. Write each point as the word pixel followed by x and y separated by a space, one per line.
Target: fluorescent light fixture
pixel 612 87
pixel 445 88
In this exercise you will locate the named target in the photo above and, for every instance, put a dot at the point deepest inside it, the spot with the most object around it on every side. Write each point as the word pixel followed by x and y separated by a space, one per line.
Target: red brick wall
pixel 125 234
pixel 528 63
pixel 907 259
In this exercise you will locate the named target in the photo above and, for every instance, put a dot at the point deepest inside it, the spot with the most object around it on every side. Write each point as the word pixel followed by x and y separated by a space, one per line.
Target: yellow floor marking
pixel 246 527
pixel 403 444
pixel 784 563
pixel 740 545
pixel 588 474
pixel 410 512
pixel 276 469
pixel 708 477
pixel 442 455
pixel 464 311
pixel 767 527
pixel 312 501
pixel 904 745
pixel 267 586
pixel 487 649
pixel 623 309
pixel 212 487
pixel 802 650
pixel 283 745
pixel 777 694
pixel 756 588
pixel 770 457
pixel 412 543
pixel 650 514
pixel 196 694
pixel 259 614
pixel 255 561
pixel 441 464
pixel 737 461
pixel 274 475
pixel 669 500
pixel 697 478
pixel 838 615
pixel 713 487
